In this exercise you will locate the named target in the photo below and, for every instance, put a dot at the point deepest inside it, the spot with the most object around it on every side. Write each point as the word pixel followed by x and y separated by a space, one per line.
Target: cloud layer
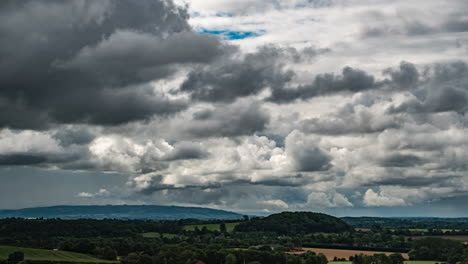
pixel 290 117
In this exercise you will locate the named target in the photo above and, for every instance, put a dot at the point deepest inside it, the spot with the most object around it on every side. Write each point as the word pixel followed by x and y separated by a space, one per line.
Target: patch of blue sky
pixel 232 35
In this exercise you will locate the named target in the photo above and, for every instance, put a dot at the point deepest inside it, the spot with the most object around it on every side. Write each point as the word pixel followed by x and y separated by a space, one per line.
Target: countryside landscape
pixel 233 131
pixel 283 238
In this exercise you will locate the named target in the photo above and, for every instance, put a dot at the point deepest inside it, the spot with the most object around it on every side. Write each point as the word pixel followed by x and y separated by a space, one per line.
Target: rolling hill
pixel 153 212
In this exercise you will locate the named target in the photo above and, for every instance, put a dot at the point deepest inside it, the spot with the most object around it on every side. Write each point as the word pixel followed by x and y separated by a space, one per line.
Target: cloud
pixel 244 117
pixel 100 193
pixel 91 62
pixel 371 198
pixel 305 153
pixel 294 118
pixel 323 200
pixel 277 204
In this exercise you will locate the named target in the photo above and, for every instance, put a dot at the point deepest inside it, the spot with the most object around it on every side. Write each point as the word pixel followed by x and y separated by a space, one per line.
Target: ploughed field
pixel 342 253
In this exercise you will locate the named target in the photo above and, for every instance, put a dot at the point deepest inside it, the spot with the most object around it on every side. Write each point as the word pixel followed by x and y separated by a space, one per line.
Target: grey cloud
pixel 311 159
pixel 186 151
pixel 21 159
pixel 231 78
pixel 243 117
pixel 407 76
pixel 351 81
pixel 305 153
pixel 74 136
pixel 400 160
pixel 443 89
pixel 87 61
pixel 350 120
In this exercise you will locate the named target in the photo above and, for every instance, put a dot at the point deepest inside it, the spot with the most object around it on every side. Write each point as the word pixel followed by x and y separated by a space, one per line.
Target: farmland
pixel 342 253
pixel 158 235
pixel 458 238
pixel 211 227
pixel 50 255
pixel 444 230
pixel 265 240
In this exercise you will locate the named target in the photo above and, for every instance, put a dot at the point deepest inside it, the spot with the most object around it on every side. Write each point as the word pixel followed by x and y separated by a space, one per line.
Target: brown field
pixel 342 253
pixel 362 229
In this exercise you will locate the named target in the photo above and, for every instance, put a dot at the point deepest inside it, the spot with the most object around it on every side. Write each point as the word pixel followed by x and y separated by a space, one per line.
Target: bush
pixel 15 257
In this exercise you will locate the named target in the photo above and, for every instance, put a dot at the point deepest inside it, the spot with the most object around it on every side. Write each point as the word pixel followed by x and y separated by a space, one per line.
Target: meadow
pixel 50 255
pixel 343 253
pixel 212 227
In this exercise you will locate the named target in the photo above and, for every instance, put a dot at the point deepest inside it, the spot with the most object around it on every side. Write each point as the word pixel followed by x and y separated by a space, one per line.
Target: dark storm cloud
pixel 244 117
pixel 21 159
pixel 232 78
pixel 36 159
pixel 87 61
pixel 351 80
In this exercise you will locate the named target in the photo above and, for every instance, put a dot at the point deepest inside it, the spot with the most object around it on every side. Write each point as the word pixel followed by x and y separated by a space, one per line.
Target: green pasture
pixel 212 227
pixel 50 255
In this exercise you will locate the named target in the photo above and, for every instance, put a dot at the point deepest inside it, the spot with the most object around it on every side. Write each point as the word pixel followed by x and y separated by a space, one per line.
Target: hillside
pixel 295 223
pixel 50 255
pixel 153 212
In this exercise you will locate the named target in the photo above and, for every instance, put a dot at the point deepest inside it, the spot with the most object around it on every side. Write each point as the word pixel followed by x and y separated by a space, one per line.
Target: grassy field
pixel 157 235
pixel 422 262
pixel 425 230
pixel 211 227
pixel 406 262
pixel 462 238
pixel 50 255
pixel 342 253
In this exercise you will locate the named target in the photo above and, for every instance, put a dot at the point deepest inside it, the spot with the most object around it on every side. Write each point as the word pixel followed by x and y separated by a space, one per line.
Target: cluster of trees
pixel 40 228
pixel 295 223
pixel 433 248
pixel 185 253
pixel 378 259
pixel 409 222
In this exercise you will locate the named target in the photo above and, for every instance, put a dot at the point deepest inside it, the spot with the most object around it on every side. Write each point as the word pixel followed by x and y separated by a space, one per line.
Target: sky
pixel 348 107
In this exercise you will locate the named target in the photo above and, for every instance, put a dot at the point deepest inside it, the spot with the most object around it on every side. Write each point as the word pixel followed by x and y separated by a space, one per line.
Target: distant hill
pixel 295 223
pixel 153 212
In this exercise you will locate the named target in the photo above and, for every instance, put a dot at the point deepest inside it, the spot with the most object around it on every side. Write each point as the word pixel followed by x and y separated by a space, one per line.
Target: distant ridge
pixel 150 212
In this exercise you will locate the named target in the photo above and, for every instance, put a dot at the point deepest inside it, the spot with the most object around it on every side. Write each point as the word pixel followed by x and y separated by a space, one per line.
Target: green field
pixel 212 227
pixel 406 262
pixel 50 255
pixel 422 262
pixel 157 235
pixel 424 229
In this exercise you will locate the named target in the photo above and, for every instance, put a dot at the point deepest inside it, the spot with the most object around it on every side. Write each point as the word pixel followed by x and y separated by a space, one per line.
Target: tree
pixel 230 259
pixel 15 257
pixel 396 258
pixel 222 228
